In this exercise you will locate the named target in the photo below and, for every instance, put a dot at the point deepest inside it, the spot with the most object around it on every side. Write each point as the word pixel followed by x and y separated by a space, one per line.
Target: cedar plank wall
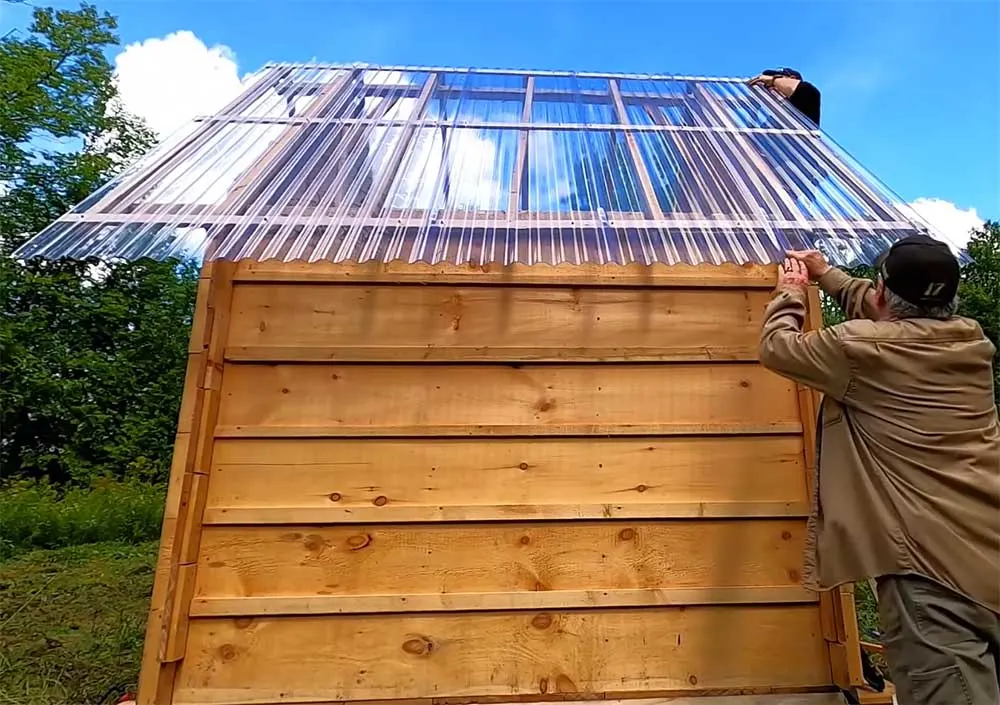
pixel 405 482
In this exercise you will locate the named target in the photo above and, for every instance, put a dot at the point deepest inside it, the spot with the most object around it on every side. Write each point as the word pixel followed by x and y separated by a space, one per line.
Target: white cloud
pixel 169 80
pixel 947 220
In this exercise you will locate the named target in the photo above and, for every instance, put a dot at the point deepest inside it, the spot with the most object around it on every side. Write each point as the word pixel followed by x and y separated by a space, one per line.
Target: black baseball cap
pixel 920 270
pixel 784 71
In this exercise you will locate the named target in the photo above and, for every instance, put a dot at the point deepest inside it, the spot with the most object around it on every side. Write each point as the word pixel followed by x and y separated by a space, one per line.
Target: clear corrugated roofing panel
pixel 355 163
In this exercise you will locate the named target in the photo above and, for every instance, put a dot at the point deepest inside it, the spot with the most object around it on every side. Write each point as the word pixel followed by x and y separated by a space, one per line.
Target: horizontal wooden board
pixel 471 601
pixel 405 323
pixel 387 513
pixel 775 697
pixel 419 559
pixel 490 478
pixel 349 657
pixel 337 399
pixel 771 696
pixel 589 274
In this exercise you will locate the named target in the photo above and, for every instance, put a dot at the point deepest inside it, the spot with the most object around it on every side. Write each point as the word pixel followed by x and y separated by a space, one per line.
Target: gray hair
pixel 901 308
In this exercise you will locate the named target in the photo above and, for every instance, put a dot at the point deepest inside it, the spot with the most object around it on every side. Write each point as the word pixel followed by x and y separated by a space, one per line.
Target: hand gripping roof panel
pixel 359 163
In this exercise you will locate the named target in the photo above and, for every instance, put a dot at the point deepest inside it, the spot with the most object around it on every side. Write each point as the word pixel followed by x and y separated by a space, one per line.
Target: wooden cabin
pixel 473 410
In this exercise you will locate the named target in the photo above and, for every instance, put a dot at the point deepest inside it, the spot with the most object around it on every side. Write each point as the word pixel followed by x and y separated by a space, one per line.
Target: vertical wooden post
pixel 166 628
pixel 837 609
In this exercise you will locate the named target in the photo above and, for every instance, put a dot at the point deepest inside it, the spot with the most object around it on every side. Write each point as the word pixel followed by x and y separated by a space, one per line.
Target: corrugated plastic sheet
pixel 355 163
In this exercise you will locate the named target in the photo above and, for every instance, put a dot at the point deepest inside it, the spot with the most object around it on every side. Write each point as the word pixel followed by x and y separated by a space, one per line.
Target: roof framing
pixel 341 160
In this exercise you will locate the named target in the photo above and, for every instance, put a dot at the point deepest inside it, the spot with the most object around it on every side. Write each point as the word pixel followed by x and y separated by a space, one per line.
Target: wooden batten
pixel 431 484
pixel 840 621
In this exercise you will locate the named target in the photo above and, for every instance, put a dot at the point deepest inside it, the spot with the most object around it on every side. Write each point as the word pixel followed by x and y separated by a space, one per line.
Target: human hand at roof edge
pixel 783 84
pixel 762 80
pixel 793 275
pixel 814 262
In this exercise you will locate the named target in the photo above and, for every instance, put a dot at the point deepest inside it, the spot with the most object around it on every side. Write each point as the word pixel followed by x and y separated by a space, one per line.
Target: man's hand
pixel 814 261
pixel 762 80
pixel 793 276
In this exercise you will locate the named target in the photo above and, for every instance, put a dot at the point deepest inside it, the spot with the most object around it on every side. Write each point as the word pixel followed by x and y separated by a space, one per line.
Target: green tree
pixel 91 355
pixel 979 295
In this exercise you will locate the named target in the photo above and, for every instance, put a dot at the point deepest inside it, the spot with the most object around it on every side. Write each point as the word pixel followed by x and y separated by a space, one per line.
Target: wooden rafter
pixel 521 160
pixel 641 172
pixel 389 173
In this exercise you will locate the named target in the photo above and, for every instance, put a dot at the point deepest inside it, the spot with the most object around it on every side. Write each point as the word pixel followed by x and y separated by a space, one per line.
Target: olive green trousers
pixel 941 648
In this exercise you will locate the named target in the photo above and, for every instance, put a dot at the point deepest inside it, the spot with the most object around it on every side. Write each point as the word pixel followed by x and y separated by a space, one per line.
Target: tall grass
pixel 38 515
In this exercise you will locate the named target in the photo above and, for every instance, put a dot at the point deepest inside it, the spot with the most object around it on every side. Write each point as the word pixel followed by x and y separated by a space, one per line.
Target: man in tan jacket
pixel 908 481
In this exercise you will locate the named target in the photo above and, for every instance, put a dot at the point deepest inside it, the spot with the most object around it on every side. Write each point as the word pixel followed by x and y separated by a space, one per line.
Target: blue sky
pixel 912 89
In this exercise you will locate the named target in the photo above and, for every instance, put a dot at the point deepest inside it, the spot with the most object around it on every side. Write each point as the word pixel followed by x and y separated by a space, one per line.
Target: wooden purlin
pixel 173 587
pixel 493 220
pixel 524 124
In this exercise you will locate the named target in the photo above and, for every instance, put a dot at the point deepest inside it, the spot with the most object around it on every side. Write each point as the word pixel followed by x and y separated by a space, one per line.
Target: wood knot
pixel 227 652
pixel 693 679
pixel 314 542
pixel 546 405
pixel 380 501
pixel 523 466
pixel 626 534
pixel 564 684
pixel 525 540
pixel 542 621
pixel 335 496
pixel 786 535
pixel 243 622
pixel 744 383
pixel 543 685
pixel 262 326
pixel 359 541
pixel 284 390
pixel 641 488
pixel 418 646
pixel 794 576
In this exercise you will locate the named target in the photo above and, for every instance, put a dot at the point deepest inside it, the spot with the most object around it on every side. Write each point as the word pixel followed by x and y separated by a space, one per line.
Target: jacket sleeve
pixel 815 359
pixel 855 296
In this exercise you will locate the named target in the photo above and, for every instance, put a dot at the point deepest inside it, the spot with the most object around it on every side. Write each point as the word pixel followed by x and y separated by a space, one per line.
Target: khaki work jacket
pixel 908 477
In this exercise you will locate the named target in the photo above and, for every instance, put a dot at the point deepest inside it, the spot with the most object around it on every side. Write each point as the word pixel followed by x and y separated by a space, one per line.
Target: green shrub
pixel 39 515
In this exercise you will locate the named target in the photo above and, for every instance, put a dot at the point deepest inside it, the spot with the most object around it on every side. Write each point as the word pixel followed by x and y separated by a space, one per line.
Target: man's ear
pixel 880 294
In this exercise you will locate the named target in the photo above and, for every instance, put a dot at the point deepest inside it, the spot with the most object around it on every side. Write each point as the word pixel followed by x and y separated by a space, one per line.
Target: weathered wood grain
pixel 493 399
pixel 404 323
pixel 309 659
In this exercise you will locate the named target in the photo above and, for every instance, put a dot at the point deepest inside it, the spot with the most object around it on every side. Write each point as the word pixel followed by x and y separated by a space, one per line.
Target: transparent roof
pixel 357 163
